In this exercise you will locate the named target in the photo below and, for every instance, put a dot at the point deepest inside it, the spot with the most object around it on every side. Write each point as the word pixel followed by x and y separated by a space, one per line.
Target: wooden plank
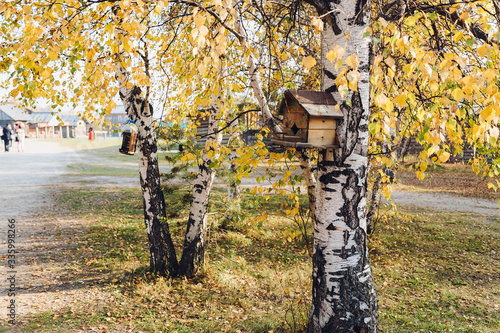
pixel 321 137
pixel 322 123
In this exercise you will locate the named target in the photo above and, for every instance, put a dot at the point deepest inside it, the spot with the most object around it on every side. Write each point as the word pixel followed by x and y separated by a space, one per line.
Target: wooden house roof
pixel 316 103
pixel 13 113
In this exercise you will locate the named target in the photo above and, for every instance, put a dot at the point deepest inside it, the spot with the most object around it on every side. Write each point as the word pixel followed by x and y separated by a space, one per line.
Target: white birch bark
pixel 344 296
pixel 194 242
pixel 162 252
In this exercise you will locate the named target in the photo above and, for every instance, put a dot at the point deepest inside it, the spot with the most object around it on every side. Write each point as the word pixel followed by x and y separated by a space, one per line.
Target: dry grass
pixel 450 178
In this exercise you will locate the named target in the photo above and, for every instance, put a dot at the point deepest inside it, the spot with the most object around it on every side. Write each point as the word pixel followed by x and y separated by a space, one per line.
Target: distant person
pixel 91 134
pixel 20 135
pixel 7 136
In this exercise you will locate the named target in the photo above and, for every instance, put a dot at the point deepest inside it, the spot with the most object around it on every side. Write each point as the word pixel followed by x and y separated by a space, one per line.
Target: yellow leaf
pixel 317 23
pixel 444 156
pixel 352 61
pixel 483 50
pixel 428 69
pixel 487 114
pixel 489 75
pixel 458 36
pixel 390 62
pixel 337 52
pixel 458 94
pixel 423 166
pixel 199 20
pixel 53 55
pixel 445 101
pixel 308 62
pixel 400 100
pixel 389 106
pixel 353 77
pixel 381 100
pixel 203 30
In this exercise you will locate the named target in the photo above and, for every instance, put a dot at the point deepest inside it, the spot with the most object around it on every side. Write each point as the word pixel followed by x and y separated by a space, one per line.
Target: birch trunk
pixel 344 296
pixel 305 164
pixel 194 243
pixel 233 189
pixel 163 259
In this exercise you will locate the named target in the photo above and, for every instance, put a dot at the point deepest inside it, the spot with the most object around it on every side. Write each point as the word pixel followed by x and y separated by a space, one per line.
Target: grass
pixel 457 179
pixel 252 280
pixel 85 144
pixel 435 272
pixel 85 169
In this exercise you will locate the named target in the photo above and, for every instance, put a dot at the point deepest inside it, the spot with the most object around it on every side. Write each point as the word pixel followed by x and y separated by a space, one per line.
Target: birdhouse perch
pixel 309 120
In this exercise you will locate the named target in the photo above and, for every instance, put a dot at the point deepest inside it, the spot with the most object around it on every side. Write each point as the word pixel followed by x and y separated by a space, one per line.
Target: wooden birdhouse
pixel 309 119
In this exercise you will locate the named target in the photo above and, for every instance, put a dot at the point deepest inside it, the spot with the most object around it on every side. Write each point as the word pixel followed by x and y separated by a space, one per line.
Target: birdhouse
pixel 129 139
pixel 309 120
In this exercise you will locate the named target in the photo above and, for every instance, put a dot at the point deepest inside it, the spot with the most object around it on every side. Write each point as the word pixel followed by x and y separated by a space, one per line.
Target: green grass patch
pixel 85 169
pixel 86 144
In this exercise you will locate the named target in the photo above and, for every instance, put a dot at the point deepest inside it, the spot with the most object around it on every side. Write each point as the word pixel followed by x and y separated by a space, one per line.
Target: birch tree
pixel 446 97
pixel 89 52
pixel 344 296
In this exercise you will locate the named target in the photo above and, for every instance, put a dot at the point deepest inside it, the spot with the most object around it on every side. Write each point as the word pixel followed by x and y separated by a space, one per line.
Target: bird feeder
pixel 309 120
pixel 129 139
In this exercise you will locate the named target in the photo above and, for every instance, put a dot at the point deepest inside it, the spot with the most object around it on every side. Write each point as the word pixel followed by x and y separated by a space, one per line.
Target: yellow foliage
pixel 308 62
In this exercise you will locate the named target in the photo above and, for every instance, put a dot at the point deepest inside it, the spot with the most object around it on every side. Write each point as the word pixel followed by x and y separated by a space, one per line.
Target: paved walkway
pixel 22 175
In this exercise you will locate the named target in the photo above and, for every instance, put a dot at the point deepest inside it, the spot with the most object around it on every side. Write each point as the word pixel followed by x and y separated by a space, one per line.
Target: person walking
pixel 20 135
pixel 7 136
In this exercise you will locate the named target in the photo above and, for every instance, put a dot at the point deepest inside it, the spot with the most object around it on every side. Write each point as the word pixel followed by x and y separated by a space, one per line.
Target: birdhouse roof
pixel 316 103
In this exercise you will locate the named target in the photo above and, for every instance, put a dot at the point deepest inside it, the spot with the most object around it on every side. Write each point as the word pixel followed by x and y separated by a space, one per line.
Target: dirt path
pixel 38 277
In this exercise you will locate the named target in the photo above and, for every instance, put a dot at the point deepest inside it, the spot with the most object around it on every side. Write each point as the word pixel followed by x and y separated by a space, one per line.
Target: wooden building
pixel 49 125
pixel 12 114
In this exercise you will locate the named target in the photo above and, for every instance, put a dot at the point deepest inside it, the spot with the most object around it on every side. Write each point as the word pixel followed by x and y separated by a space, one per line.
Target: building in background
pixel 13 114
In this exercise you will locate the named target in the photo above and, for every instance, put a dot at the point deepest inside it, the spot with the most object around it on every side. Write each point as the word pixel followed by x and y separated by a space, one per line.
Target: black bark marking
pixel 343 253
pixel 331 227
pixel 346 237
pixel 319 278
pixel 359 12
pixel 349 210
pixel 333 88
pixel 349 129
pixel 330 75
pixel 364 68
pixel 331 177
